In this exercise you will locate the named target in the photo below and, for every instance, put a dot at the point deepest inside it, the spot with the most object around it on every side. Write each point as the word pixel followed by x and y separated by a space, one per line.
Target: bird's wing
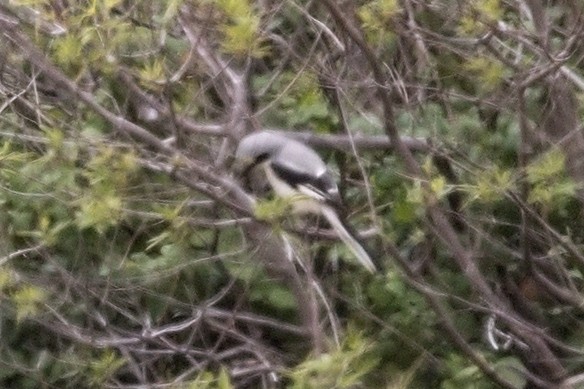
pixel 303 168
pixel 322 187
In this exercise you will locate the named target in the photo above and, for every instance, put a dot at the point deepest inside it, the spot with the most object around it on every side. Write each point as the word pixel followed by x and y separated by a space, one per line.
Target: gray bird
pixel 296 172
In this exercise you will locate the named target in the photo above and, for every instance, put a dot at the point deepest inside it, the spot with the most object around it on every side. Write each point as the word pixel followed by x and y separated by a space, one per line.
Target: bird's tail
pixel 348 239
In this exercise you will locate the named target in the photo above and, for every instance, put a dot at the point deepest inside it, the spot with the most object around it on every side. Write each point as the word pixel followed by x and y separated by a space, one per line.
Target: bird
pixel 297 173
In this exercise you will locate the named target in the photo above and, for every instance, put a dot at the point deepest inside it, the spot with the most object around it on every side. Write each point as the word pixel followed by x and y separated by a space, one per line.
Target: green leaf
pixel 242 32
pixel 439 187
pixel 242 37
pixel 223 380
pixel 415 193
pixel 405 211
pixel 477 16
pixel 489 72
pixel 272 210
pixel 27 300
pixel 6 278
pixel 109 4
pixel 99 212
pixel 511 369
pixel 549 166
pixel 551 186
pixel 268 293
pixel 345 367
pixel 376 19
pixel 172 8
pixel 68 50
pixel 234 8
pixel 104 367
pixel 153 72
pixel 282 298
pixel 490 9
pixel 491 185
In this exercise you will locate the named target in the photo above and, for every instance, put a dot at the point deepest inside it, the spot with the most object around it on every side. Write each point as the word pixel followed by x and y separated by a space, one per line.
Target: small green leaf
pixel 551 185
pixel 153 72
pixel 234 8
pixel 242 32
pixel 27 300
pixel 491 185
pixel 478 15
pixel 415 194
pixel 271 210
pixel 489 72
pixel 341 368
pixel 109 4
pixel 549 166
pixel 376 19
pixel 405 212
pixel 172 7
pixel 99 212
pixel 68 50
pixel 242 37
pixel 438 186
pixel 223 380
pixel 490 9
pixel 512 370
pixel 104 367
pixel 6 278
pixel 282 298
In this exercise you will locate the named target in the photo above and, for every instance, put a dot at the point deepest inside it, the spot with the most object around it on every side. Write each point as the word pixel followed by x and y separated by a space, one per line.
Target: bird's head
pixel 255 149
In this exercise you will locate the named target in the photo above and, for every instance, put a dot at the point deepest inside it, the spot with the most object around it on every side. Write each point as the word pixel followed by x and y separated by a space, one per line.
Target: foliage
pixel 130 256
pixel 241 35
pixel 551 186
pixel 344 368
pixel 296 101
pixel 208 380
pixel 375 17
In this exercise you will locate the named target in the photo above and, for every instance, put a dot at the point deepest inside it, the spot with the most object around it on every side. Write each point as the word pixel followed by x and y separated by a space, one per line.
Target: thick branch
pixel 361 142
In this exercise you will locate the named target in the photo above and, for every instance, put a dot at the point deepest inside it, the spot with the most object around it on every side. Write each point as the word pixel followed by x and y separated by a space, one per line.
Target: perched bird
pixel 296 172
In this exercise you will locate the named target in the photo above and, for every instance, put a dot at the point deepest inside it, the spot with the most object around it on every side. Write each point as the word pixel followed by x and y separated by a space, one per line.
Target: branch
pixel 183 122
pixel 18 253
pixel 272 250
pixel 361 142
pixel 441 225
pixel 234 88
pixel 438 222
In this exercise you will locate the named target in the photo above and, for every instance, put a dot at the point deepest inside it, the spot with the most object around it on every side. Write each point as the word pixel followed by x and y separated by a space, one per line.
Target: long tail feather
pixel 348 239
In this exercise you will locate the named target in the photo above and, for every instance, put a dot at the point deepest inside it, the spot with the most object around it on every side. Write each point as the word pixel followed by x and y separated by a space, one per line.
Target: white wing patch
pixel 311 191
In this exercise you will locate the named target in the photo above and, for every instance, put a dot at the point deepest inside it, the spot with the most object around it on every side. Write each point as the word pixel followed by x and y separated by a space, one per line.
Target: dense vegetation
pixel 131 256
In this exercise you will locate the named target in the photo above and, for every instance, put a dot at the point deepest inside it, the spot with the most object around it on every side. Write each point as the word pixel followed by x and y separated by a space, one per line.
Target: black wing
pixel 323 185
